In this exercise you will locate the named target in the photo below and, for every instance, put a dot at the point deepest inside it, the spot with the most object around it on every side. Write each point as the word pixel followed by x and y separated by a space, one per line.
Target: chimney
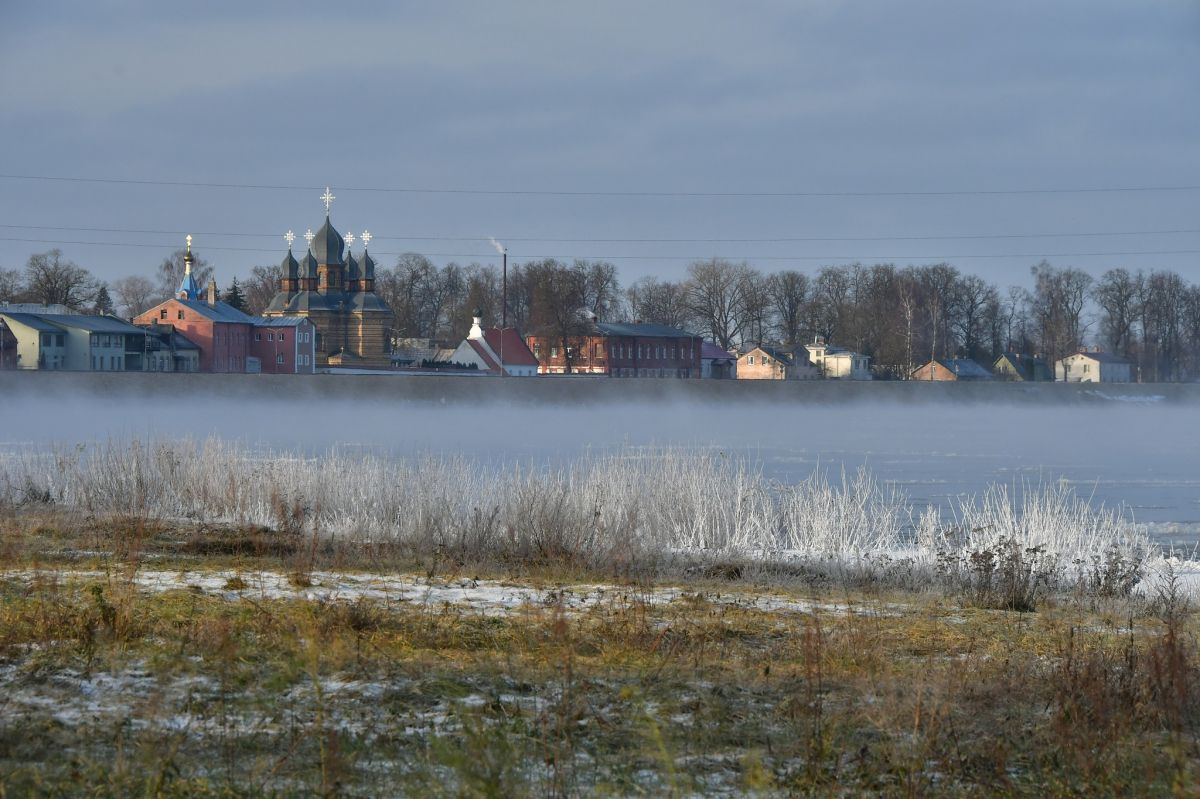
pixel 212 294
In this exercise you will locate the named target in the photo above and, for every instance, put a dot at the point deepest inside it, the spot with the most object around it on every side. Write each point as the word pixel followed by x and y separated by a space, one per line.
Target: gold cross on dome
pixel 366 238
pixel 309 236
pixel 290 237
pixel 349 239
pixel 328 198
pixel 189 241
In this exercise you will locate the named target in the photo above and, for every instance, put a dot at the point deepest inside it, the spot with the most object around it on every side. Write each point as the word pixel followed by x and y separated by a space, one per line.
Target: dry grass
pixel 113 691
pixel 1019 656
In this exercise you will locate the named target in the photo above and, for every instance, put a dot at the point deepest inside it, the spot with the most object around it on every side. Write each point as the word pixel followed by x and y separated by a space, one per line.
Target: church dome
pixel 290 268
pixel 353 270
pixel 327 245
pixel 308 267
pixel 367 266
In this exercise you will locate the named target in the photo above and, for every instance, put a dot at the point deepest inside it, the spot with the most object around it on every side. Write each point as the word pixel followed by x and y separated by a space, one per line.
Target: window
pixel 93 363
pixel 163 313
pixel 117 342
pixel 180 316
pixel 750 360
pixel 104 341
pixel 614 351
pixel 537 350
pixel 554 352
pixel 281 337
pixel 270 337
pixel 279 358
pixel 599 350
pixel 258 336
pixel 95 340
pixel 639 350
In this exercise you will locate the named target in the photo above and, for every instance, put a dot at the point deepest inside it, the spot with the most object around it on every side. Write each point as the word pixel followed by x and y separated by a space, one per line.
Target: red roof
pixel 510 347
pixel 482 352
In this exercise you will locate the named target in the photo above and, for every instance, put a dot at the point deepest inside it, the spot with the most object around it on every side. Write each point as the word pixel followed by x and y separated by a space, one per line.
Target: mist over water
pixel 1141 457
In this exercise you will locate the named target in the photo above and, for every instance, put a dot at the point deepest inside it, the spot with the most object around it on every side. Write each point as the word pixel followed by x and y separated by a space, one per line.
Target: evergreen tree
pixel 233 296
pixel 103 301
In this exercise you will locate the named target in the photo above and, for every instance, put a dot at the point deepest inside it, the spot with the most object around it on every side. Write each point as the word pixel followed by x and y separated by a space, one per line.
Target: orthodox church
pixel 336 292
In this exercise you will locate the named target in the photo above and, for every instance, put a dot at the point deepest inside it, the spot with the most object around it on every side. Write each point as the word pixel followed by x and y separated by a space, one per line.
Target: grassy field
pixel 144 658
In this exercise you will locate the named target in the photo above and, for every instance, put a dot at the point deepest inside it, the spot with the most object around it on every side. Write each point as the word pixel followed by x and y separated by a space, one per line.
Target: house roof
pixel 32 321
pixel 509 347
pixel 711 351
pixel 962 367
pixel 1102 357
pixel 94 324
pixel 1019 360
pixel 279 321
pixel 218 312
pixel 639 329
pixel 482 352
pixel 33 307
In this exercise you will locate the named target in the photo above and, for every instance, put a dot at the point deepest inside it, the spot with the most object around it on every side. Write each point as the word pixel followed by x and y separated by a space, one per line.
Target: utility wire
pixel 554 193
pixel 635 241
pixel 880 258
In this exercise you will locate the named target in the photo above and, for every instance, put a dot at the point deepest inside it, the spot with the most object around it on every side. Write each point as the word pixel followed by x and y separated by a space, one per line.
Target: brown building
pixel 952 370
pixel 775 363
pixel 336 293
pixel 620 349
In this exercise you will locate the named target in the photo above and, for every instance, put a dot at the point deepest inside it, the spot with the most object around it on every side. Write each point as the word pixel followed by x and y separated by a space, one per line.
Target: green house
pixel 1022 368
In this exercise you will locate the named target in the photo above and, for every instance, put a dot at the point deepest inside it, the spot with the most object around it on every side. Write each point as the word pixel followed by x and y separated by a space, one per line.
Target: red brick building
pixel 231 341
pixel 620 349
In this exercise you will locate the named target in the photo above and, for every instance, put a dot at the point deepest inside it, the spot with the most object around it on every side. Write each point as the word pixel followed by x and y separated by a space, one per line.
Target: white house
pixel 496 350
pixel 1092 366
pixel 838 363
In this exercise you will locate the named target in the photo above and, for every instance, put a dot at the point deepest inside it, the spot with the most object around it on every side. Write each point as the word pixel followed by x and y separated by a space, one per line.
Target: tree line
pixel 900 316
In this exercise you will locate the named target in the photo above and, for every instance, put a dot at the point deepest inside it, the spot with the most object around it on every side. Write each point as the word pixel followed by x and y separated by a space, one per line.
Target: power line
pixel 561 193
pixel 780 240
pixel 878 258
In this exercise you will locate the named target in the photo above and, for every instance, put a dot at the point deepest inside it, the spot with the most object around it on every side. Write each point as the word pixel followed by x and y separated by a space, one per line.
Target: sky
pixel 989 135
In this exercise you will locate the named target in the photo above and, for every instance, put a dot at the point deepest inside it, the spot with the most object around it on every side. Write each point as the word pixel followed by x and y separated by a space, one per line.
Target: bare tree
pixel 1117 294
pixel 970 302
pixel 659 302
pixel 260 288
pixel 601 291
pixel 135 294
pixel 716 298
pixel 1059 297
pixel 788 292
pixel 50 278
pixel 12 286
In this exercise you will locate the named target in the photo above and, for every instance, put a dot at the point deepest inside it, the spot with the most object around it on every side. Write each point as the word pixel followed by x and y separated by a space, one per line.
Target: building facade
pixel 336 293
pixel 620 349
pixel 766 362
pixel 838 363
pixel 496 351
pixel 73 342
pixel 230 341
pixel 716 363
pixel 1022 368
pixel 1092 366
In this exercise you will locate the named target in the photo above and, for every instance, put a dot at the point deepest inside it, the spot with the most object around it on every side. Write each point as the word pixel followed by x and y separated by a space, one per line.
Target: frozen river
pixel 1139 456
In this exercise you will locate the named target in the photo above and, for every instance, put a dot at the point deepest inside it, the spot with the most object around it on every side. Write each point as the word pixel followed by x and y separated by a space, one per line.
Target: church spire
pixel 188 289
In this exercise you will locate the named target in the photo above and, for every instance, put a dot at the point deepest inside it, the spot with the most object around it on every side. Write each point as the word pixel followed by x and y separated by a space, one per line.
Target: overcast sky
pixel 687 97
